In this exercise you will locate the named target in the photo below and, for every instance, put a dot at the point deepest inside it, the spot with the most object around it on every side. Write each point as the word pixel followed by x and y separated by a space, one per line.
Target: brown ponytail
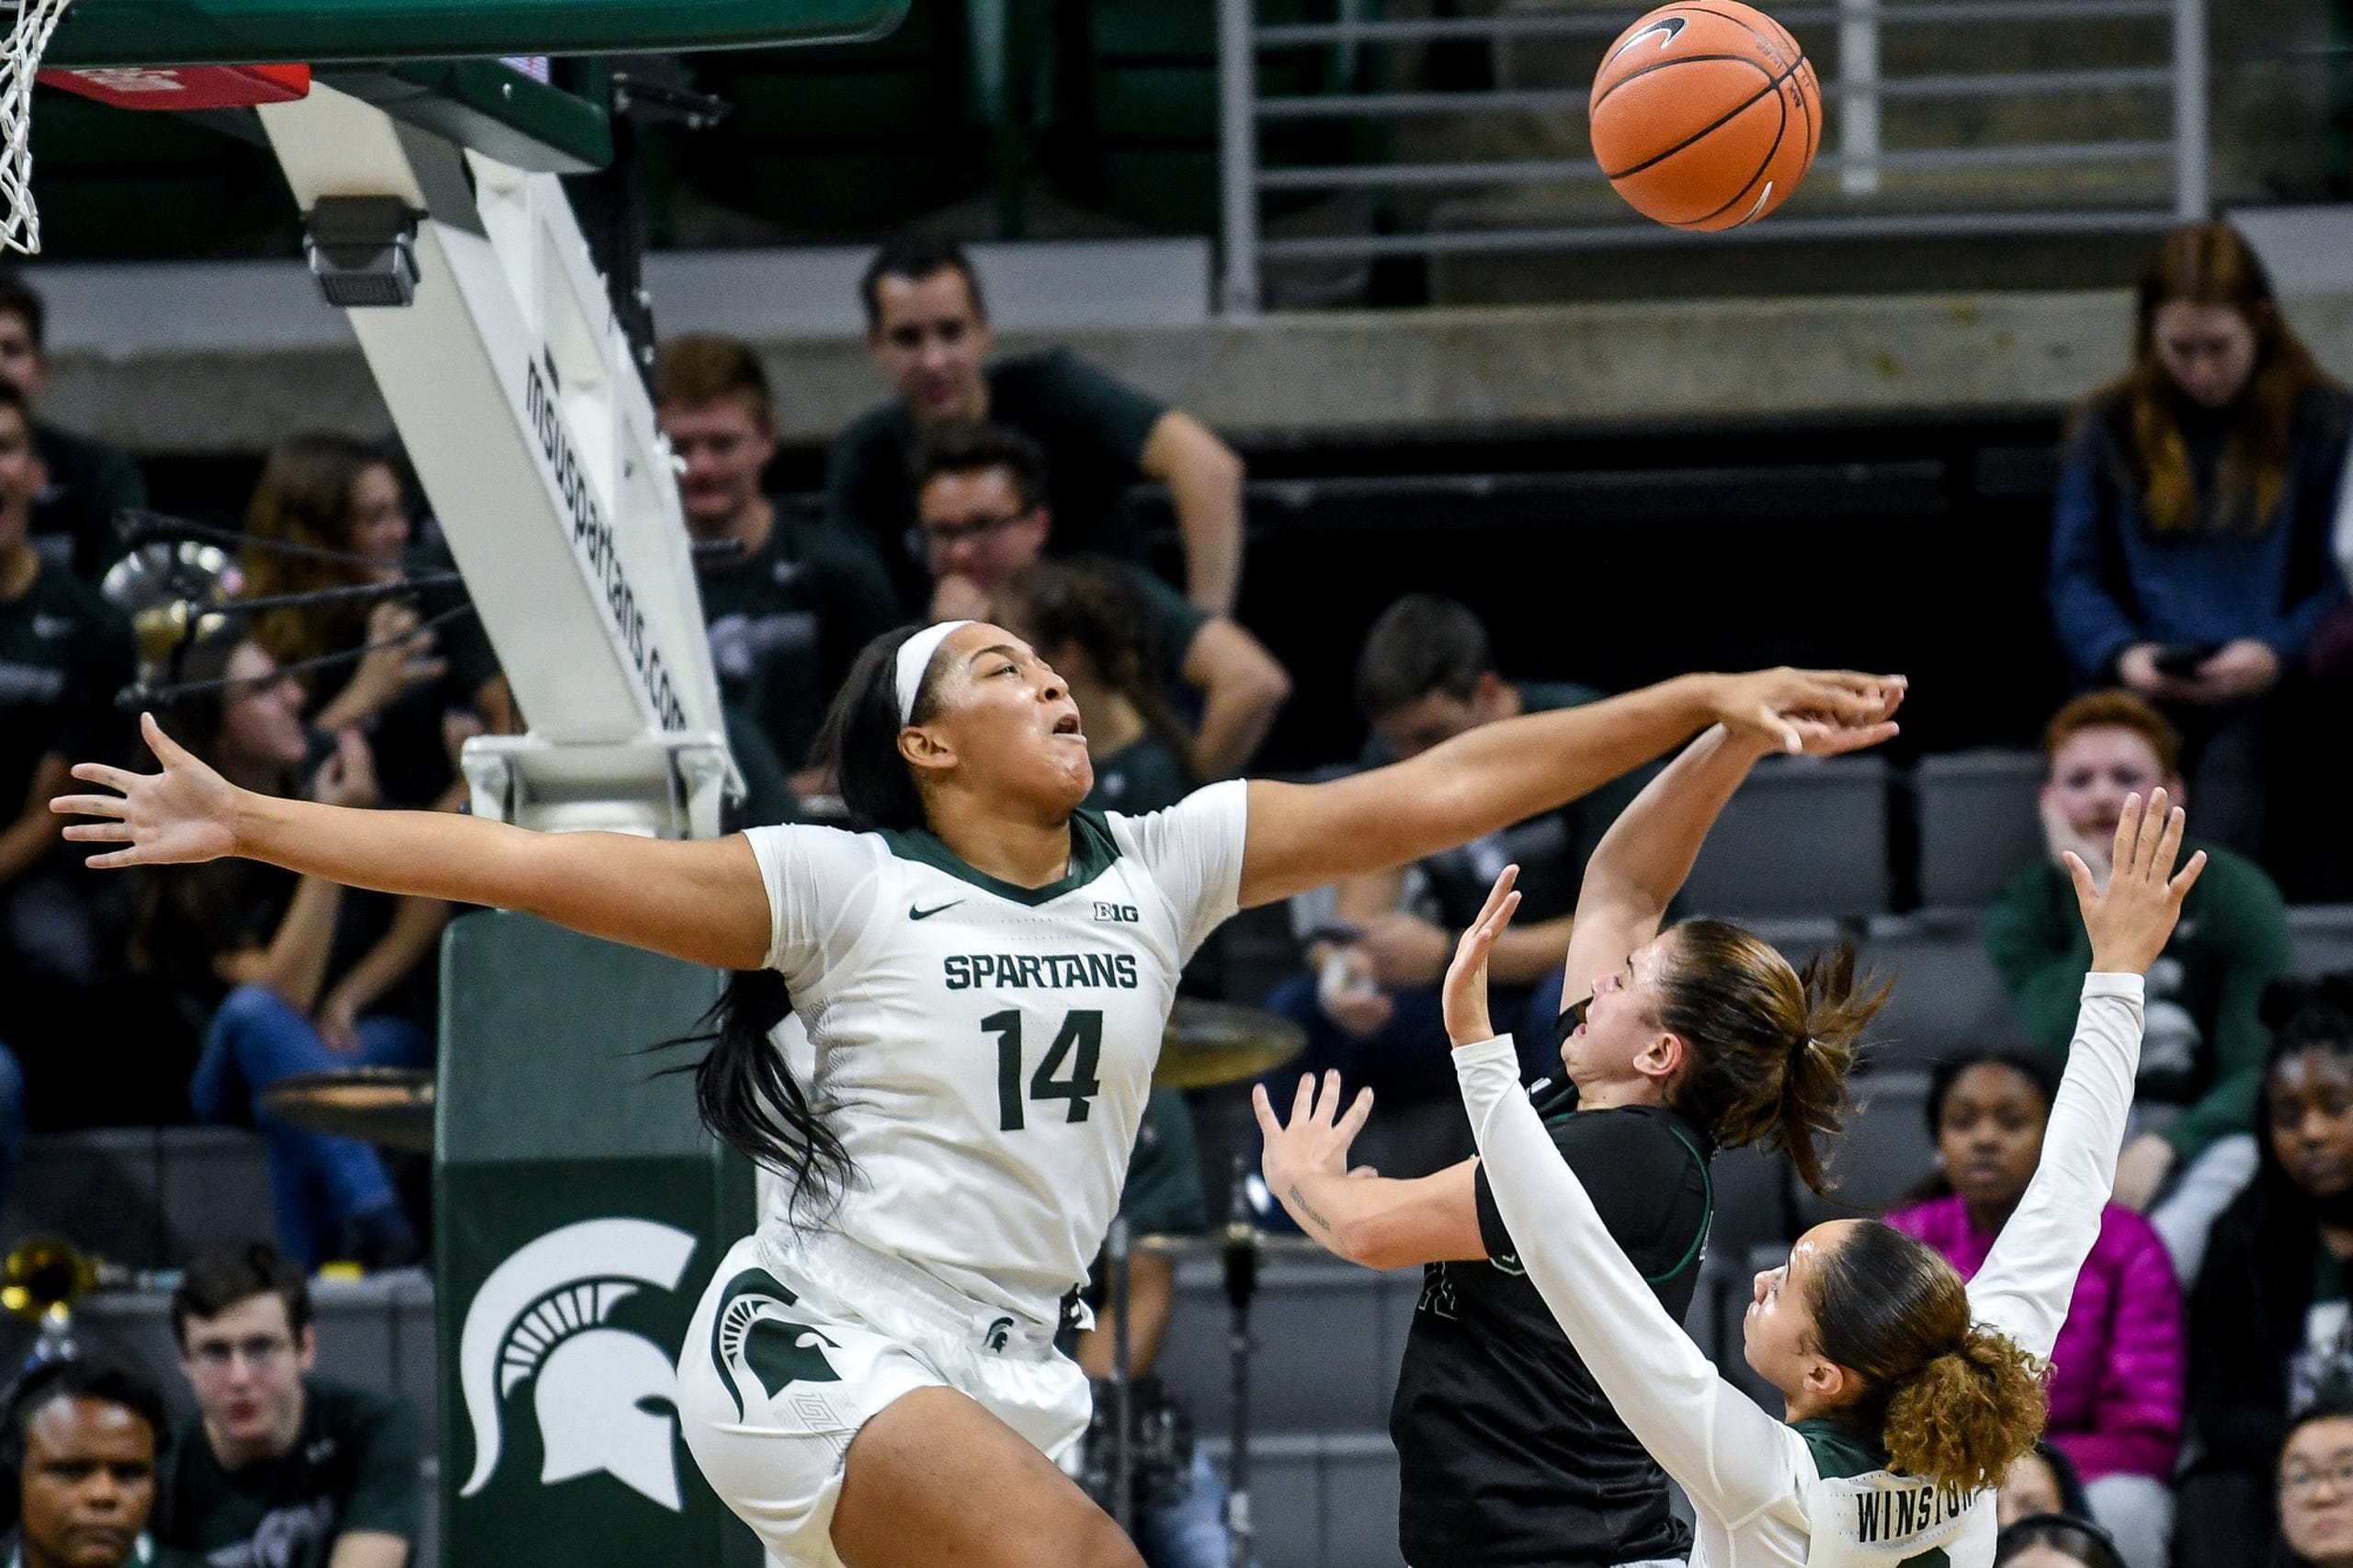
pixel 1770 1048
pixel 1953 1401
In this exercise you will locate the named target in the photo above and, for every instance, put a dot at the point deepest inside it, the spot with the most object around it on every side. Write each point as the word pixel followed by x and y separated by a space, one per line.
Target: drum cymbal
pixel 390 1106
pixel 1209 1043
pixel 1212 1243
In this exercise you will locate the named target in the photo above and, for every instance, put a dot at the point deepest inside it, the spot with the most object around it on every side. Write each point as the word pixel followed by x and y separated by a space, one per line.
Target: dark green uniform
pixel 352 1468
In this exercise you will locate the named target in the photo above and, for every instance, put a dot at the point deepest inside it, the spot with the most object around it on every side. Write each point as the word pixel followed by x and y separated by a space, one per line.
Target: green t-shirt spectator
pixel 1144 776
pixel 787 623
pixel 1162 1195
pixel 89 482
pixel 352 1468
pixel 2204 1043
pixel 1093 428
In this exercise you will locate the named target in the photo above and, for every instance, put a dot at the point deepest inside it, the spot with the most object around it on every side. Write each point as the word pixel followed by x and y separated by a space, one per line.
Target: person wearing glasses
pixel 982 518
pixel 2316 1484
pixel 280 1469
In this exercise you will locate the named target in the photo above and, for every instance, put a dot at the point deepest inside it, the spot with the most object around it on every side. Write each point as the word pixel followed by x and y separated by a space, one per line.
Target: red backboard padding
pixel 185 86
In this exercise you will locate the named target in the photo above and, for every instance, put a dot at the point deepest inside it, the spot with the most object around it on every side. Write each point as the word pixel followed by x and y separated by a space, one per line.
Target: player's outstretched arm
pixel 1645 858
pixel 1360 1214
pixel 2029 1277
pixel 1302 836
pixel 700 901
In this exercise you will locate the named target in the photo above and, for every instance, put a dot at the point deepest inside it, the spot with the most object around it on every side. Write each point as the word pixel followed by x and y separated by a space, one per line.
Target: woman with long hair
pixel 985 971
pixel 2191 540
pixel 2267 1316
pixel 325 494
pixel 284 974
pixel 2114 1391
pixel 1908 1394
pixel 1686 1041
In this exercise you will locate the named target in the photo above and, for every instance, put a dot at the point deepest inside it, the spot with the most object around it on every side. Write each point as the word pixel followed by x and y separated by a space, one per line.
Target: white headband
pixel 914 657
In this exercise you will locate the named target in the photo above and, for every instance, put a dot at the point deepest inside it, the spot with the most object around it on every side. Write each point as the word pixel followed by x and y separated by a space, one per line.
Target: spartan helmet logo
pixel 541 1316
pixel 755 1344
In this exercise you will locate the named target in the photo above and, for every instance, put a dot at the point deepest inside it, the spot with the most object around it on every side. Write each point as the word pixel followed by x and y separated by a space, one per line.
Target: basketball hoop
pixel 30 23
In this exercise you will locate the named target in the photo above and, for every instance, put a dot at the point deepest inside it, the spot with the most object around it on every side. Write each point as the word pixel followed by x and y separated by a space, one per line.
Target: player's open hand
pixel 186 813
pixel 2130 920
pixel 1797 711
pixel 1465 996
pixel 1318 1138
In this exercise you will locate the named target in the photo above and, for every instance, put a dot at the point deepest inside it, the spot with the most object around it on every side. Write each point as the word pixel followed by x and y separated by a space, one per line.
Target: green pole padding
pixel 579 1211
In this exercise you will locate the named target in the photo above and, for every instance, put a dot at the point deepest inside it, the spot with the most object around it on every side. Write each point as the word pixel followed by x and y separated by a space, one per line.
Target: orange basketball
pixel 1706 114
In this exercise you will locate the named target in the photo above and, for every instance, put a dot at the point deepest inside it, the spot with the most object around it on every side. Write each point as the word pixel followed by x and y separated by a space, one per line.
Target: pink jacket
pixel 2116 1373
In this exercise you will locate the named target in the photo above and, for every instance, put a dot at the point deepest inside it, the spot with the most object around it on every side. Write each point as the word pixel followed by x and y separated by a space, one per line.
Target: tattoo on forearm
pixel 1309 1209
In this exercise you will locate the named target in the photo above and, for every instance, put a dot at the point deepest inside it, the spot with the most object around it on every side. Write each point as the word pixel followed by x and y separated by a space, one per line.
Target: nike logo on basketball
pixel 1666 30
pixel 915 914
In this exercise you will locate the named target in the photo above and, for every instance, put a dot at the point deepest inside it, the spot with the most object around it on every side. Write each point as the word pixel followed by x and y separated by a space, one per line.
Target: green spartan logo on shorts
pixel 751 1337
pixel 994 1338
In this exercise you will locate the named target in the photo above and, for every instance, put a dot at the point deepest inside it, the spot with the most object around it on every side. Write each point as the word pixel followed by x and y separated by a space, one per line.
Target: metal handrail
pixel 1501 100
pixel 1519 171
pixel 1598 25
pixel 1857 156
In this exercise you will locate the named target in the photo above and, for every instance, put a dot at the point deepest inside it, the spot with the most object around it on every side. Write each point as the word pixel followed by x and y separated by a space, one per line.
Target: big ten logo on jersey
pixel 1119 914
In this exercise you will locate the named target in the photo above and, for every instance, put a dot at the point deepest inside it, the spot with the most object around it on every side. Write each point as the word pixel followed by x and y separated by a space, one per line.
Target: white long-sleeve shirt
pixel 1766 1497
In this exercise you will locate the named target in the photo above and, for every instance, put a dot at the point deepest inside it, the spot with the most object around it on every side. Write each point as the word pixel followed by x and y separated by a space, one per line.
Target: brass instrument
pixel 41 1280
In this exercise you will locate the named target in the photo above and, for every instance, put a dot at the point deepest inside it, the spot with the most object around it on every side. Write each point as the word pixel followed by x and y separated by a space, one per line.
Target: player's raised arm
pixel 1304 835
pixel 699 900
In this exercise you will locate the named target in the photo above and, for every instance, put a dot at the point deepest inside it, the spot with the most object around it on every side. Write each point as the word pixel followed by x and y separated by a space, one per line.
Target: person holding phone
pixel 2190 539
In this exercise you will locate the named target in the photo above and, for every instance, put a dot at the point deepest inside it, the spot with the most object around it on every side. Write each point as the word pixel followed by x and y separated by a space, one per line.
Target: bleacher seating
pixel 1805 835
pixel 141 1197
pixel 1979 823
pixel 2321 937
pixel 1948 997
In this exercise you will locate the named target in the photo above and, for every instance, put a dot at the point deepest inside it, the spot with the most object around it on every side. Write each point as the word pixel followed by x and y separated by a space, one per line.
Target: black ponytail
pixel 744 1092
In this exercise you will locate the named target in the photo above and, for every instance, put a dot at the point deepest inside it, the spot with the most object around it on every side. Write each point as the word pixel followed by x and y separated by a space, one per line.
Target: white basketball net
pixel 31 22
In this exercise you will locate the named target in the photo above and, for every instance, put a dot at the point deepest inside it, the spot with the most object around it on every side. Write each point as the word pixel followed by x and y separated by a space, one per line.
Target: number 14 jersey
pixel 984 1050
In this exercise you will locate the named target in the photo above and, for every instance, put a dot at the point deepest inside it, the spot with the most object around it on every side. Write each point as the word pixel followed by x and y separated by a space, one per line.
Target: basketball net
pixel 31 23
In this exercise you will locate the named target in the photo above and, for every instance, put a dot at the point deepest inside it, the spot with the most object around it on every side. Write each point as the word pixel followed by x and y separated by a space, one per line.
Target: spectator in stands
pixel 1370 1000
pixel 85 482
pixel 2201 1056
pixel 2041 1481
pixel 789 614
pixel 2190 546
pixel 928 332
pixel 65 653
pixel 2267 1326
pixel 2316 1485
pixel 2055 1541
pixel 982 498
pixel 291 975
pixel 2116 1373
pixel 80 1445
pixel 395 679
pixel 280 1468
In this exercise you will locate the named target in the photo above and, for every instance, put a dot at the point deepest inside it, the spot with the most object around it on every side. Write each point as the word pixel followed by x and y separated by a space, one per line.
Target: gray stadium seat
pixel 1320 1328
pixel 1948 997
pixel 2321 937
pixel 1979 823
pixel 98 1190
pixel 1805 835
pixel 215 1188
pixel 1885 1154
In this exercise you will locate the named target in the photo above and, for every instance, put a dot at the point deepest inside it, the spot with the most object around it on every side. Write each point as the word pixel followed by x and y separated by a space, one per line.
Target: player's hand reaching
pixel 1316 1140
pixel 187 813
pixel 1800 711
pixel 1465 996
pixel 2131 921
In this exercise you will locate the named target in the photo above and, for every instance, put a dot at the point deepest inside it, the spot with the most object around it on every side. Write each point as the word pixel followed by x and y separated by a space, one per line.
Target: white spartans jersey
pixel 1767 1494
pixel 983 1050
